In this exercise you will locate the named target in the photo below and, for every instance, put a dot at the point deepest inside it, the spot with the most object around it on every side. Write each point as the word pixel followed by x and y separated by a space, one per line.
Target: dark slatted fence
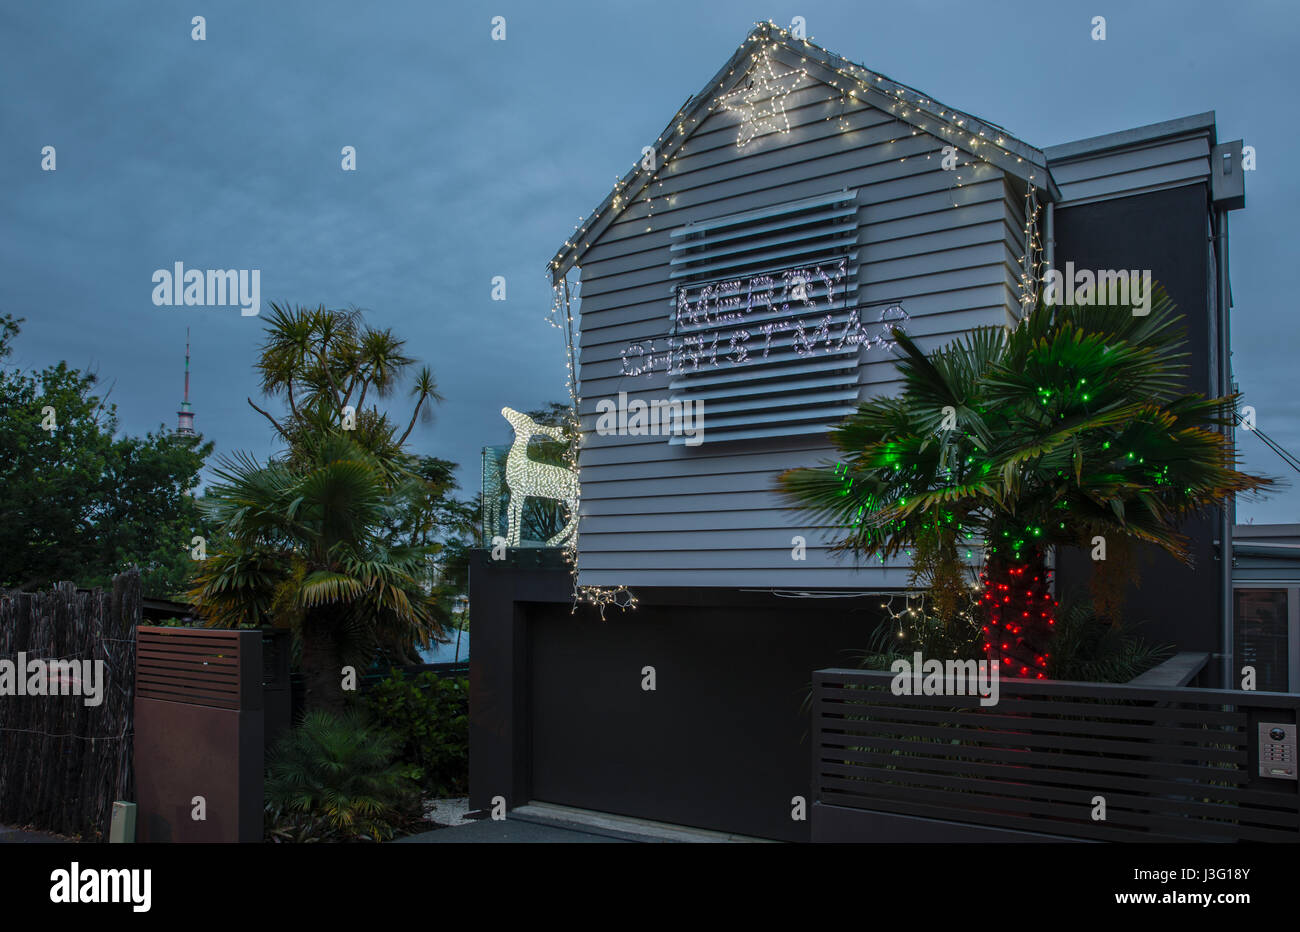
pixel 63 762
pixel 1169 763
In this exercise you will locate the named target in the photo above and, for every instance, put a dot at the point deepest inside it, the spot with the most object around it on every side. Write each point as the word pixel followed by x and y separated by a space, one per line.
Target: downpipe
pixel 1226 640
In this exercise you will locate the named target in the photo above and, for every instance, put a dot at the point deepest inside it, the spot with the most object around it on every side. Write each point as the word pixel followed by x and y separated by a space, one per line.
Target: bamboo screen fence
pixel 62 761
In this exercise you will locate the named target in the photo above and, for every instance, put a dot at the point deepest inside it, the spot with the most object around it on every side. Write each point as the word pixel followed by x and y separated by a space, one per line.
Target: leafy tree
pixel 436 515
pixel 1073 424
pixel 447 526
pixel 78 502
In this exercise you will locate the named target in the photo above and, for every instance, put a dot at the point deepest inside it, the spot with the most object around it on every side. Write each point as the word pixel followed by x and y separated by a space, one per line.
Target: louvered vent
pixel 763 318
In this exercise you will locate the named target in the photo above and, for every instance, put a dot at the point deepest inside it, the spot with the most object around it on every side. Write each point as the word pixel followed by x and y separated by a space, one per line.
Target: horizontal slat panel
pixel 1049 813
pixel 1006 820
pixel 1063 723
pixel 772 257
pixel 989 754
pixel 187 665
pixel 191 698
pixel 216 655
pixel 1102 781
pixel 1040 738
pixel 1173 763
pixel 1044 707
pixel 730 241
pixel 216 674
pixel 763 219
pixel 187 645
pixel 1133 808
pixel 222 675
pixel 185 690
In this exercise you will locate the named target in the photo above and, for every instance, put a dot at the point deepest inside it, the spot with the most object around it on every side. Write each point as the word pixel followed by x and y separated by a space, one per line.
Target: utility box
pixel 200 729
pixel 1227 177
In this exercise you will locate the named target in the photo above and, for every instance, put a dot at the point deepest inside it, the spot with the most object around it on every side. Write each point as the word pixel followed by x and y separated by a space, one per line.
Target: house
pixel 750 265
pixel 1266 603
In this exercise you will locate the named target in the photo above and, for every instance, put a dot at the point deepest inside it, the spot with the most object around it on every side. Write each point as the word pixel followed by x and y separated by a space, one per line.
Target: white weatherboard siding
pixel 655 513
pixel 658 514
pixel 1176 157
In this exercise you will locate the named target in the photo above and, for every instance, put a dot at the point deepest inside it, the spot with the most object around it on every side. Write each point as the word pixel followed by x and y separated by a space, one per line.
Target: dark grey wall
pixel 721 743
pixel 499 720
pixel 1166 232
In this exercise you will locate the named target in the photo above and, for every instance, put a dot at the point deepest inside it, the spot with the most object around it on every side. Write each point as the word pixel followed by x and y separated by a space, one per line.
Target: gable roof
pixel 969 133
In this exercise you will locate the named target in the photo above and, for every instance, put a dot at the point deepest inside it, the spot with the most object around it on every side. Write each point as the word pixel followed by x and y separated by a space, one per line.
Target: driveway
pixel 509 831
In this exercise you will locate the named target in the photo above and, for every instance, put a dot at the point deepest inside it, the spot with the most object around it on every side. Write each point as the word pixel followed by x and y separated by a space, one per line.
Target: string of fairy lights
pixel 909 621
pixel 847 81
pixel 758 96
pixel 1031 260
pixel 561 317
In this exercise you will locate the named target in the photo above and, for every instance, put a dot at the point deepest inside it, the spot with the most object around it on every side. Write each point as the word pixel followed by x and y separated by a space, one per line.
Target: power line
pixel 1287 457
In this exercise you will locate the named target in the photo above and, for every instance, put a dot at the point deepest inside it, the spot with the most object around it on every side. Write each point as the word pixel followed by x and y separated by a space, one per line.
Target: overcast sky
pixel 476 158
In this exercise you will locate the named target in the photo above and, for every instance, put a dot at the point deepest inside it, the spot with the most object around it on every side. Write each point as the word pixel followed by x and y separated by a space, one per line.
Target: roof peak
pixel 974 135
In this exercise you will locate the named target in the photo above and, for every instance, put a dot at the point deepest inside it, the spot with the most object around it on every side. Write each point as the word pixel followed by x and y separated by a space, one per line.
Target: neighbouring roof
pixel 1137 136
pixel 969 133
pixel 1280 541
pixel 1252 531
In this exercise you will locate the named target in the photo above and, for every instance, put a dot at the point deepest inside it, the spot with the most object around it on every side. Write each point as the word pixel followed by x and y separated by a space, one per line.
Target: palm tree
pixel 339 777
pixel 309 541
pixel 1072 425
pixel 305 543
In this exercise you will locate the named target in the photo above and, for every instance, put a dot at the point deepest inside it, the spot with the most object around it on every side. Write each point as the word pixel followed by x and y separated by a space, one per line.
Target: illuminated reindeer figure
pixel 527 478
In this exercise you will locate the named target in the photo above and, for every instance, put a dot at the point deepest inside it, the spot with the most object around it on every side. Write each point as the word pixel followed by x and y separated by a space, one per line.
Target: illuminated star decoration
pixel 760 102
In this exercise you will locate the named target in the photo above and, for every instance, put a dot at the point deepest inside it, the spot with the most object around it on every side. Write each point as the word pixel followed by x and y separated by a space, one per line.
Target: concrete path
pixel 18 836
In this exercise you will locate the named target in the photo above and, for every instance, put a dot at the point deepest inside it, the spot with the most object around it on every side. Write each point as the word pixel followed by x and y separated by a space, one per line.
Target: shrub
pixel 1090 649
pixel 922 629
pixel 1085 647
pixel 336 777
pixel 428 718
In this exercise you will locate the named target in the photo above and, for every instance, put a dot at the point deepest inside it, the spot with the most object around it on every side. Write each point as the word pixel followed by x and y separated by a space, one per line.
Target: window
pixel 765 330
pixel 1264 633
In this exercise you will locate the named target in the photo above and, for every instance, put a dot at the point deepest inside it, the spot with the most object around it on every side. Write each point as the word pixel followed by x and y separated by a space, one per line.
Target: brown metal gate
pixel 199 734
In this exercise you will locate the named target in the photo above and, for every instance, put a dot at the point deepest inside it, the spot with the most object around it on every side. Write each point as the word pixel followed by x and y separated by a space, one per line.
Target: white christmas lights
pixel 527 478
pixel 845 79
pixel 561 317
pixel 761 102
